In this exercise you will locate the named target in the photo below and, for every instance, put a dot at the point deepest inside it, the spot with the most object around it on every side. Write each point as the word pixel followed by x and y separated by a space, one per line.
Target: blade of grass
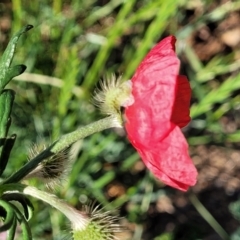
pixel 217 95
pixel 117 30
pixel 101 12
pixel 208 217
pixel 153 32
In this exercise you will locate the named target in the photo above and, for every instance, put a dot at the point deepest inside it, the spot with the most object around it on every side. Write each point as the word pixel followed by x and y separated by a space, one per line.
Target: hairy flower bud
pixel 102 225
pixel 51 170
pixel 112 95
pixel 89 223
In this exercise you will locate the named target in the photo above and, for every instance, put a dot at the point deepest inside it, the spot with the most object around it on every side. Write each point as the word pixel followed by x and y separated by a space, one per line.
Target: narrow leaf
pixel 5 153
pixel 24 201
pixel 9 217
pixel 11 73
pixel 6 101
pixel 12 230
pixel 26 231
pixel 7 57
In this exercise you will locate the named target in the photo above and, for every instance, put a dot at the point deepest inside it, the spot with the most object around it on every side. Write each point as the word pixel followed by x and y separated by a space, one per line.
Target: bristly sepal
pixel 113 94
pixel 53 170
pixel 102 225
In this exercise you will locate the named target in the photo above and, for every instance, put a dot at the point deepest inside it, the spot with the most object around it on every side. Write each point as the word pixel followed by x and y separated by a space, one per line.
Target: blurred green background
pixel 73 45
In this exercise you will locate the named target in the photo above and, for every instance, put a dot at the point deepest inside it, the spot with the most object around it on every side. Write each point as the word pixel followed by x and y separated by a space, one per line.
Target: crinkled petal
pixel 169 161
pixel 153 85
pixel 159 68
pixel 146 120
pixel 181 108
pixel 150 122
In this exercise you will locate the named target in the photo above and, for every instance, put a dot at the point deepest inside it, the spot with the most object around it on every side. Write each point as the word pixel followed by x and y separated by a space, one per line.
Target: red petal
pixel 150 122
pixel 169 161
pixel 181 107
pixel 153 85
pixel 158 67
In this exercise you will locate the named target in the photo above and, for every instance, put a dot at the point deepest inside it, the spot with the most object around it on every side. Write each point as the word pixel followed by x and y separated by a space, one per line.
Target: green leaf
pixel 5 152
pixel 6 101
pixel 7 57
pixel 12 230
pixel 26 231
pixel 24 201
pixel 8 216
pixel 11 73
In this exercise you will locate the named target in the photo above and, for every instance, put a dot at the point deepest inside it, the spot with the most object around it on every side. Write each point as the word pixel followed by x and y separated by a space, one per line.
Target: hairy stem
pixel 62 143
pixel 78 219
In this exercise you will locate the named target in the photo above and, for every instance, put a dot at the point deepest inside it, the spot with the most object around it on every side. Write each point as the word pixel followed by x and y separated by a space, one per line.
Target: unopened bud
pixel 87 224
pixel 51 170
pixel 101 226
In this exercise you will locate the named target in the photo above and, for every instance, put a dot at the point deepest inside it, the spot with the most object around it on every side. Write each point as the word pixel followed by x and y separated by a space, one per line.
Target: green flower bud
pixel 112 95
pixel 51 170
pixel 101 226
pixel 88 224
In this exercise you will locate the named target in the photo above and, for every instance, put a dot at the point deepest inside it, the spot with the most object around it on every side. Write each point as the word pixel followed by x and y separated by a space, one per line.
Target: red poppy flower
pixel 160 109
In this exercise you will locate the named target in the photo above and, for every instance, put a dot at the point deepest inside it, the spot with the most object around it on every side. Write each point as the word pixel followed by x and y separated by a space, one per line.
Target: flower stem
pixel 78 219
pixel 68 139
pixel 62 143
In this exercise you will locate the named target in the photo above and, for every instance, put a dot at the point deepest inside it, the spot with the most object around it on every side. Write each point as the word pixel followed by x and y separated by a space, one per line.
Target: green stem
pixel 208 217
pixel 57 5
pixel 68 139
pixel 62 143
pixel 78 219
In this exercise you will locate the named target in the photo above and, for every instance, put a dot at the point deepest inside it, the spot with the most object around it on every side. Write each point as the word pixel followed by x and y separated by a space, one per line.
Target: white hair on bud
pixel 53 170
pixel 112 95
pixel 107 221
